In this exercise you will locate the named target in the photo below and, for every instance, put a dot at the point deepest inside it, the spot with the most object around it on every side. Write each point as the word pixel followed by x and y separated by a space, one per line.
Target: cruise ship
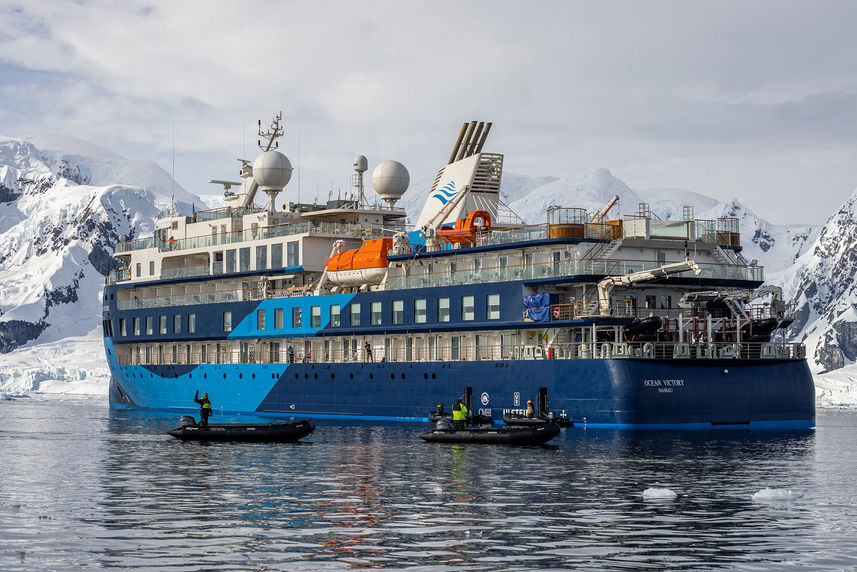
pixel 341 310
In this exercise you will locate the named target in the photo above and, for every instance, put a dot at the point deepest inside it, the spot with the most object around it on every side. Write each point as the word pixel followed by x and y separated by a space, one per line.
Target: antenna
pixel 272 134
pixel 173 196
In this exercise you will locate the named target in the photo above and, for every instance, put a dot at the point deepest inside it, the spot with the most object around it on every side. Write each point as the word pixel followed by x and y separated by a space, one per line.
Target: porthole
pixel 273 376
pixel 434 376
pixel 190 376
pixel 306 376
pixel 205 376
pixel 332 376
pixel 351 375
pixel 403 375
pixel 296 376
pixel 425 376
pixel 371 376
pixel 253 375
pixel 315 376
pixel 392 376
pixel 240 376
pixel 224 376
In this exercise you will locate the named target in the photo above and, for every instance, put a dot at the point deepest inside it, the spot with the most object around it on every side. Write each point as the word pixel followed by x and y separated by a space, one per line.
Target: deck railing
pixel 317 352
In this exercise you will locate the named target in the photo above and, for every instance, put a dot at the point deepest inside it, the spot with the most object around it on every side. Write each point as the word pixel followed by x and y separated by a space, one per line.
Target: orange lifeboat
pixel 358 266
pixel 465 229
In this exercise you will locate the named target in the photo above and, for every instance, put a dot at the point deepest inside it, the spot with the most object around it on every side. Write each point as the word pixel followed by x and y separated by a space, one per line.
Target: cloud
pixel 662 93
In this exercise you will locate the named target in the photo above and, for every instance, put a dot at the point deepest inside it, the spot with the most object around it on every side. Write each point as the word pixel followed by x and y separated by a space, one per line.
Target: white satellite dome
pixel 272 170
pixel 391 180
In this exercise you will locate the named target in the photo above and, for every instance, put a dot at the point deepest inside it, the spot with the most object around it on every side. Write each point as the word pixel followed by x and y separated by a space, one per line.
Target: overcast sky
pixel 754 100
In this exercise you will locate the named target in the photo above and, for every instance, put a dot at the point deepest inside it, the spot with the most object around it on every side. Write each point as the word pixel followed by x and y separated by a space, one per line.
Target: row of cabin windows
pixel 238 259
pixel 149 322
pixel 468 313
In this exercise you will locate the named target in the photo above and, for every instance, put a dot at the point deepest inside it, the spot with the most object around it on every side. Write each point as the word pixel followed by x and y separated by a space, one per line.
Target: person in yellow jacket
pixel 204 407
pixel 459 414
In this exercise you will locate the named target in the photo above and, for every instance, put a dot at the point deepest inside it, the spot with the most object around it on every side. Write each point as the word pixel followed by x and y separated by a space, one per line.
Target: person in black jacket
pixel 204 407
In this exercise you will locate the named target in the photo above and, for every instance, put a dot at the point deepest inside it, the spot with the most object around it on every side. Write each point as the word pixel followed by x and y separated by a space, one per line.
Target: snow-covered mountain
pixel 64 203
pixel 62 210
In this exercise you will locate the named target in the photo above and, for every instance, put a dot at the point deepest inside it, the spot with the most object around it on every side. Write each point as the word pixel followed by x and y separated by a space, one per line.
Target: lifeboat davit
pixel 465 229
pixel 359 266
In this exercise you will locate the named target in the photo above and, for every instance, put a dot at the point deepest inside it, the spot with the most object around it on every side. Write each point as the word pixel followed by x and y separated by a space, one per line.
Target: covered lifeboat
pixel 466 229
pixel 359 266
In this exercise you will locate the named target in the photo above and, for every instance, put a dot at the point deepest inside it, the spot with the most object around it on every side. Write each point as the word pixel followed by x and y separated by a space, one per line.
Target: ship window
pixel 274 352
pixel 230 261
pixel 149 329
pixel 162 325
pixel 493 306
pixel 666 302
pixel 409 349
pixel 217 265
pixel 277 255
pixel 296 317
pixel 557 259
pixel 262 257
pixel 335 319
pixel 443 309
pixel 315 316
pixel 139 270
pixel 136 326
pixel 420 311
pixel 122 328
pixel 227 321
pixel 260 319
pixel 662 257
pixel 175 354
pixel 203 355
pixel 293 253
pixel 177 323
pixel 455 345
pixel 151 268
pixel 467 310
pixel 376 313
pixel 278 318
pixel 244 259
pixel 398 311
pixel 191 323
pixel 148 354
pixel 651 302
pixel 355 314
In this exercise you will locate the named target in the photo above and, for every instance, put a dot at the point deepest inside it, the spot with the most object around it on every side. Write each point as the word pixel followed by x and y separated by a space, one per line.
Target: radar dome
pixel 390 180
pixel 361 165
pixel 272 170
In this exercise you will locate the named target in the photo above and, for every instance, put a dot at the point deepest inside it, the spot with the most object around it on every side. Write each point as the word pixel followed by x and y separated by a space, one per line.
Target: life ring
pixel 556 311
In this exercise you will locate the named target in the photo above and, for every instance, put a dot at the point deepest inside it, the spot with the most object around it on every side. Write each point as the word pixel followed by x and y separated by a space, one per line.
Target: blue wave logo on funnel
pixel 446 194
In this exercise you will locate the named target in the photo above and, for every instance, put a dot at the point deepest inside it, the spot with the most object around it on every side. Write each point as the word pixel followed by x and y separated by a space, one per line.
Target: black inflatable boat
pixel 499 435
pixel 524 421
pixel 248 432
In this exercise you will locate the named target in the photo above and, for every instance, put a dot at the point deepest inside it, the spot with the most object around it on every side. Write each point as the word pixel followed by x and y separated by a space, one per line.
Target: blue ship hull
pixel 632 393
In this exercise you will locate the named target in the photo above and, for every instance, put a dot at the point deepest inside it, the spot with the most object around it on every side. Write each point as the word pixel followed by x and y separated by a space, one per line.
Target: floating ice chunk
pixel 659 494
pixel 768 494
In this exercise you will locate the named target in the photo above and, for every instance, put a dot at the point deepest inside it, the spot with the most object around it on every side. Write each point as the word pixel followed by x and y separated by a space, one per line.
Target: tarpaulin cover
pixel 537 307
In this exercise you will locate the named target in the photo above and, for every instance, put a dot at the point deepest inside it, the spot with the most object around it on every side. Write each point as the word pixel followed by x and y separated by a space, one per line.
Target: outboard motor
pixel 187 421
pixel 443 424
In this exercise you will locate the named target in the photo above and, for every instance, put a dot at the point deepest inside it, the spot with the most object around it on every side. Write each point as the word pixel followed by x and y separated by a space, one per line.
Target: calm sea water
pixel 83 487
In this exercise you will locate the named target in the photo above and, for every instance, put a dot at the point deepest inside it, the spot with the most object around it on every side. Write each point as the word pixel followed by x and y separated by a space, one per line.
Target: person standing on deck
pixel 459 415
pixel 531 410
pixel 204 407
pixel 368 349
